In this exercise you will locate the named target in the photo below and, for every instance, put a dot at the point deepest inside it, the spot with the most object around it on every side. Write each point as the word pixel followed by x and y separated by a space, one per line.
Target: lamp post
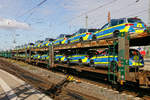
pixel 148 13
pixel 14 40
pixel 86 23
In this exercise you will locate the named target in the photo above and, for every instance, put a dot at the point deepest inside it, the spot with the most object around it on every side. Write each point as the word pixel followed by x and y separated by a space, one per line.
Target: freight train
pixel 91 49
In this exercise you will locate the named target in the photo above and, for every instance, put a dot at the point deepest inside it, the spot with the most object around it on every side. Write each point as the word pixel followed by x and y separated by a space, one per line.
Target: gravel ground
pixel 90 90
pixel 55 78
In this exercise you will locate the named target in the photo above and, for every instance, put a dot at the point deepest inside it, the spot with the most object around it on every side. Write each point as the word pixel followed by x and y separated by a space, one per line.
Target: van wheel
pixel 113 66
pixel 68 41
pixel 80 62
pixel 116 33
pixel 68 61
pixel 59 59
pixel 94 37
pixel 60 43
pixel 92 64
pixel 81 39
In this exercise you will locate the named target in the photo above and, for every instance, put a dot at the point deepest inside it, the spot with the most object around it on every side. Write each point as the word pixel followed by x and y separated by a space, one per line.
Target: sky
pixel 26 22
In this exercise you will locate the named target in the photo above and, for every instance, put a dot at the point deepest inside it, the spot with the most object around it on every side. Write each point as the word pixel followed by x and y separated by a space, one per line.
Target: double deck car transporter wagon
pixel 123 74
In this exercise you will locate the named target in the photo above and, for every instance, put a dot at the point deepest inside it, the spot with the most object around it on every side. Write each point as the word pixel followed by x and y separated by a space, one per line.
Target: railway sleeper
pixel 56 89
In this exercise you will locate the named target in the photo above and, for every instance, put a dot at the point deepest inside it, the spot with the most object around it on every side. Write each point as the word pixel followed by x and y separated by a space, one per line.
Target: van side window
pixel 114 22
pixel 103 53
pixel 121 21
pixel 105 26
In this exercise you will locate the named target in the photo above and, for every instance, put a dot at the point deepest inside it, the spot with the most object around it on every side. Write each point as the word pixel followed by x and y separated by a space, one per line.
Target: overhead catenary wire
pixel 127 6
pixel 116 12
pixel 140 12
pixel 130 15
pixel 89 11
pixel 119 9
pixel 32 9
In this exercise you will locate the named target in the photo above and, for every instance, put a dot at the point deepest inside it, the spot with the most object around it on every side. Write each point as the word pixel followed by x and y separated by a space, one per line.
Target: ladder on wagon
pixel 117 71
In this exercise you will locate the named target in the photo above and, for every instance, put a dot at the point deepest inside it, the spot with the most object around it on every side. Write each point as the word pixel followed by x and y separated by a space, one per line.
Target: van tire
pixel 92 64
pixel 94 37
pixel 81 39
pixel 68 41
pixel 68 61
pixel 60 43
pixel 80 62
pixel 116 33
pixel 59 59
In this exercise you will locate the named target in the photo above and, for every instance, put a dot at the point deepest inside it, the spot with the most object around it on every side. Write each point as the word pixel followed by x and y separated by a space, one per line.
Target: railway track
pixel 93 78
pixel 42 84
pixel 101 80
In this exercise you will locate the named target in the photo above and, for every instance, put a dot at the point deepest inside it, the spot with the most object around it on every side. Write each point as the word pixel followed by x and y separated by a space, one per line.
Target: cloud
pixel 9 24
pixel 1 6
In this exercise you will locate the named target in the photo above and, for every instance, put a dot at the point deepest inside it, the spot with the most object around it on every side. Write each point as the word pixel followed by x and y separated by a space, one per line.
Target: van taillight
pixel 145 25
pixel 65 38
pixel 88 33
pixel 129 24
pixel 87 56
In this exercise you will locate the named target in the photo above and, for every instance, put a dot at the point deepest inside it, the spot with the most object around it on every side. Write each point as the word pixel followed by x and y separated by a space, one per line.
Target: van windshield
pixel 133 52
pixel 92 52
pixel 92 30
pixel 68 36
pixel 133 20
pixel 105 26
